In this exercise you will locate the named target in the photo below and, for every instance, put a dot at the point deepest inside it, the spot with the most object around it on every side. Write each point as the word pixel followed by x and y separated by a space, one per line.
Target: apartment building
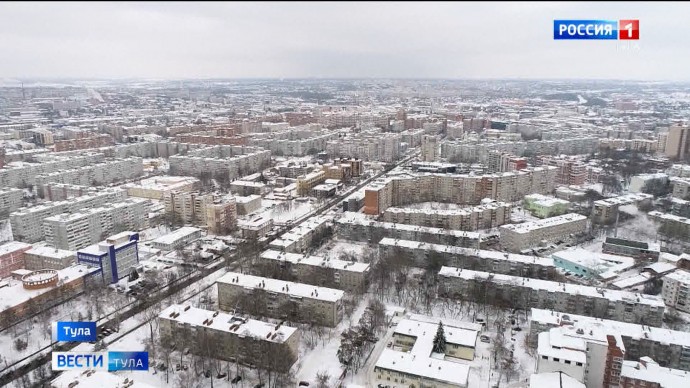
pixel 368 146
pixel 409 361
pixel 158 187
pixel 12 257
pixel 73 231
pixel 518 237
pixel 115 257
pixel 86 142
pixel 221 161
pixel 593 357
pixel 676 290
pixel 570 171
pixel 670 347
pixel 606 210
pixel 177 239
pixel 543 206
pixel 98 174
pixel 221 215
pixel 298 141
pixel 475 259
pixel 679 170
pixel 405 189
pixel 306 183
pixel 357 227
pixel 38 258
pixel 21 174
pixel 280 299
pixel 677 142
pixel 430 146
pixel 299 239
pixel 62 191
pixel 486 216
pixel 676 221
pixel 230 337
pixel 524 293
pixel 189 207
pixel 320 271
pixel 476 150
pixel 27 222
pixel 10 200
pixel 646 373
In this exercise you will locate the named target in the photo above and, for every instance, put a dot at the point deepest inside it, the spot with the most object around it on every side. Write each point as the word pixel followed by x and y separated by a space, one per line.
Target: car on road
pixel 517 329
pixel 303 383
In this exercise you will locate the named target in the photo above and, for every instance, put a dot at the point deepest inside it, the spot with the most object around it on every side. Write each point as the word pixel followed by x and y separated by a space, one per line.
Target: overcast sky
pixel 283 40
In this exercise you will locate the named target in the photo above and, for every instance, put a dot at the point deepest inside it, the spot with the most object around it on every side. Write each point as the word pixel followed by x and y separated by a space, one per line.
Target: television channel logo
pixel 103 361
pixel 74 331
pixel 624 29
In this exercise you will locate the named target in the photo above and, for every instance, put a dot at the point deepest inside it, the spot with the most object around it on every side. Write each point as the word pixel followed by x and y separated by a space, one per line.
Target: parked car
pixel 485 339
pixel 303 383
pixel 517 329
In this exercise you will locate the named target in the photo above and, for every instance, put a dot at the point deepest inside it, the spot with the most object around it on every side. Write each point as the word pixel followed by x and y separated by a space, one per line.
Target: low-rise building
pixel 592 265
pixel 44 257
pixel 305 183
pixel 320 271
pixel 411 360
pixel 115 257
pixel 544 206
pixel 524 293
pixel 12 257
pixel 517 237
pixel 230 337
pixel 39 290
pixel 177 239
pixel 299 239
pixel 645 182
pixel 631 248
pixel 256 227
pixel 280 299
pixel 245 188
pixel 475 259
pixel 358 227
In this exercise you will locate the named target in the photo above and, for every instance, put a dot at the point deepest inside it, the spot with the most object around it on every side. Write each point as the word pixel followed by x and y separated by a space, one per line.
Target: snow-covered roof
pixel 553 379
pixel 12 246
pixel 527 227
pixel 15 293
pixel 648 370
pixel 479 253
pixel 296 258
pixel 419 361
pixel 632 330
pixel 293 289
pixel 228 322
pixel 551 286
pixel 46 251
pixel 467 211
pixel 569 343
pixel 361 219
pixel 626 199
pixel 605 265
pixel 679 276
pixel 178 234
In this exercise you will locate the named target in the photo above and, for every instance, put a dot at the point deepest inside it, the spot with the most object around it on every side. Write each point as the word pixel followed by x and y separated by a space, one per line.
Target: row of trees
pixel 357 341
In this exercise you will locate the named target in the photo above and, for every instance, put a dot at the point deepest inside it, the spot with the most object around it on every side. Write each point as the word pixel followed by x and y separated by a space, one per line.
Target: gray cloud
pixel 425 40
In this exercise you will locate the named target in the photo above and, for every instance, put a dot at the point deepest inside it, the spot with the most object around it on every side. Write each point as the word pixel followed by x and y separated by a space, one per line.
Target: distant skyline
pixel 334 40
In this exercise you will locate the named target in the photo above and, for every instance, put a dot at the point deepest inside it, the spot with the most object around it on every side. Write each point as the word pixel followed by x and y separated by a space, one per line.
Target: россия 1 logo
pixel 627 29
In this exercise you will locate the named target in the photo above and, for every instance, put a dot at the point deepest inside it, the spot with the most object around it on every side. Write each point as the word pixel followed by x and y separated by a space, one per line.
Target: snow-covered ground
pixel 283 211
pixel 335 248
